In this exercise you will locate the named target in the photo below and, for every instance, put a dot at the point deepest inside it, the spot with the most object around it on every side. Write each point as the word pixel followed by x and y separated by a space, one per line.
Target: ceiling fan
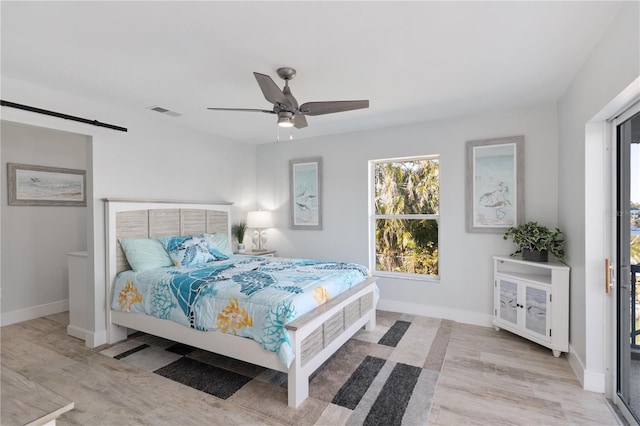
pixel 285 105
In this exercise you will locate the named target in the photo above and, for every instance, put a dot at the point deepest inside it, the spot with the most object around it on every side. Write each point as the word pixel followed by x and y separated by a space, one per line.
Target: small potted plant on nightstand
pixel 535 242
pixel 238 231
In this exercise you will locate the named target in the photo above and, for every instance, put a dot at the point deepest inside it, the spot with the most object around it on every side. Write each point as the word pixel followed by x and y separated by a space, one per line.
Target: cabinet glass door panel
pixel 536 312
pixel 508 301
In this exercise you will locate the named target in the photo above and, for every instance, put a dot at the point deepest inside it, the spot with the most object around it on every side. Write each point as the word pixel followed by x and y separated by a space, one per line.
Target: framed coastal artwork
pixel 30 185
pixel 305 193
pixel 495 184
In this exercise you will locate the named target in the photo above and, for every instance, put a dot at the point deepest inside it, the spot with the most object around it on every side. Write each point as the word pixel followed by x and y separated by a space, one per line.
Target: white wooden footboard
pixel 320 333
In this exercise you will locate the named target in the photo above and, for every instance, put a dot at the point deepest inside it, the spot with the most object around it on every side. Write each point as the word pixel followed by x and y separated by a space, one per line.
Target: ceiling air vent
pixel 164 111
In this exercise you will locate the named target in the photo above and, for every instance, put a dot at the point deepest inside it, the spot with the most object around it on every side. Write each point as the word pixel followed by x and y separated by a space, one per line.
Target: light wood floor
pixel 488 378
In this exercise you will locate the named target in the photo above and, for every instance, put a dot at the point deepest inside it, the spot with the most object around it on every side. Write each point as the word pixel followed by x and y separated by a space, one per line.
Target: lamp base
pixel 259 240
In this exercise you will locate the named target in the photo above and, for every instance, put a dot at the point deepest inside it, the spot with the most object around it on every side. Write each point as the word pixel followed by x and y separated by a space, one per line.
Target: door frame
pixel 611 241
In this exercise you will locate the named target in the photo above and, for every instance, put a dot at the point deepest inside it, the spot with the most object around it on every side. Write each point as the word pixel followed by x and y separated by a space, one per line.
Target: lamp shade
pixel 259 219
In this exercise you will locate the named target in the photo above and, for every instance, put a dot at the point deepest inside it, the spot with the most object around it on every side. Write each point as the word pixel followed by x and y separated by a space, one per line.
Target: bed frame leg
pixel 371 324
pixel 116 333
pixel 298 386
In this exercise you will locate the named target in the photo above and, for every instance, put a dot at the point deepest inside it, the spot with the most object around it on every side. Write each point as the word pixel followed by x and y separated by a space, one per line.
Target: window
pixel 405 206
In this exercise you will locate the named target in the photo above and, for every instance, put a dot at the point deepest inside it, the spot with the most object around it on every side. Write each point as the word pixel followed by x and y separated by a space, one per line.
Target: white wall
pixel 156 159
pixel 35 239
pixel 465 290
pixel 584 202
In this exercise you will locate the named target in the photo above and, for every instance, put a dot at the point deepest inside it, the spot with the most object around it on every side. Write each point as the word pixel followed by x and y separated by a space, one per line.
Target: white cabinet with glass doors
pixel 531 299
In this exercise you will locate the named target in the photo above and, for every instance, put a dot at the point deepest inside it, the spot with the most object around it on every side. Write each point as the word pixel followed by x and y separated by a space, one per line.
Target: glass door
pixel 537 314
pixel 628 255
pixel 508 301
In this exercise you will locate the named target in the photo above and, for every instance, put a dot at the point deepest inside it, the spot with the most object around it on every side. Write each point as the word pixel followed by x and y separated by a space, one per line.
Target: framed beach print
pixel 30 185
pixel 305 193
pixel 495 184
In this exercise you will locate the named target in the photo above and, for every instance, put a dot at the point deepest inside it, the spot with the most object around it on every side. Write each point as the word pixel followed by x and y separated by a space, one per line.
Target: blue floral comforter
pixel 247 296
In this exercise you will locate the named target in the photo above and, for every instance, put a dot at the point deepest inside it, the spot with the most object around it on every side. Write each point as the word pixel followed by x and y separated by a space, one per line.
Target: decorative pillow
pixel 220 242
pixel 145 253
pixel 187 250
pixel 217 254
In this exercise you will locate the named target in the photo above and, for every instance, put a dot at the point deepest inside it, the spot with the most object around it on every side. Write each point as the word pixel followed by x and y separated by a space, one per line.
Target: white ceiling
pixel 414 61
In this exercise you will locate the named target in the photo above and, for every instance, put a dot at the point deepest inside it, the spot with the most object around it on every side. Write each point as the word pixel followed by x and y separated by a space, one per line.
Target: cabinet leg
pixel 496 327
pixel 556 353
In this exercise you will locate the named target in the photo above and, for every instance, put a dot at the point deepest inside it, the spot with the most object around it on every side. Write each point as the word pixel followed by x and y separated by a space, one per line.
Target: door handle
pixel 607 276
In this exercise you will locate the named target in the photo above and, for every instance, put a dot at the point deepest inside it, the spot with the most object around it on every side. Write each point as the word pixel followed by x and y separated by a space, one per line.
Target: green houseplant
pixel 535 241
pixel 238 230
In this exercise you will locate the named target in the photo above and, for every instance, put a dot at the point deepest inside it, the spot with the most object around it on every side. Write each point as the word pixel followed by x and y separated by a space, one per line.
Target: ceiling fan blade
pixel 299 121
pixel 270 90
pixel 243 109
pixel 329 107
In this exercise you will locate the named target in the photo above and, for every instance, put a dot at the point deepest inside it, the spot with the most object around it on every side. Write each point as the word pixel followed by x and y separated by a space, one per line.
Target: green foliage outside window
pixel 407 244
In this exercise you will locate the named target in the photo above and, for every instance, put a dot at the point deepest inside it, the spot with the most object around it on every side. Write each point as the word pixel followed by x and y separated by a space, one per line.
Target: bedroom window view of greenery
pixel 406 199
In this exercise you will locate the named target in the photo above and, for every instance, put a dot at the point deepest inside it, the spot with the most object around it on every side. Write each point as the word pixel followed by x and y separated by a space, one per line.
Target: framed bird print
pixel 305 193
pixel 495 184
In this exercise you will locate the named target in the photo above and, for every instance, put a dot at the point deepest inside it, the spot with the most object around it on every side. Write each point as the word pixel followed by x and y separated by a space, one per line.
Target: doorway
pixel 628 262
pixel 39 235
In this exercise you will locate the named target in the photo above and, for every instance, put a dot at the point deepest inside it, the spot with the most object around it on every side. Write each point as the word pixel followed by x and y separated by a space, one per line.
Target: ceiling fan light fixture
pixel 285 120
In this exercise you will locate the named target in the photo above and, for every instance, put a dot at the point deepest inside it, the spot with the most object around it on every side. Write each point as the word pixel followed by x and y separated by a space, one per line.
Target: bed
pixel 312 337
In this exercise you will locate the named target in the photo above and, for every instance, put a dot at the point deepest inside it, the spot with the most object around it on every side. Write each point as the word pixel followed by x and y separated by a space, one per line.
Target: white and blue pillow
pixel 187 250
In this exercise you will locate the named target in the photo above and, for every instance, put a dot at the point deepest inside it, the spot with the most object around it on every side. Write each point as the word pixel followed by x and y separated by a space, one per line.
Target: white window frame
pixel 373 217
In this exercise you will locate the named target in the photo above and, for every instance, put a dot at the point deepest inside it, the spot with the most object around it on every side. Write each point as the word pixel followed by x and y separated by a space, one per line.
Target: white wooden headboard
pixel 125 218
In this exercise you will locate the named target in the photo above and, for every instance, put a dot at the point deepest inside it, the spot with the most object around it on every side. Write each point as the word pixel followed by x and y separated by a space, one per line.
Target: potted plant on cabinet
pixel 238 230
pixel 535 242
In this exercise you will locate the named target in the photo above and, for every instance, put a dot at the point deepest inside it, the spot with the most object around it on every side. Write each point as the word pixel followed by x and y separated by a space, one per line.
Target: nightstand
pixel 264 253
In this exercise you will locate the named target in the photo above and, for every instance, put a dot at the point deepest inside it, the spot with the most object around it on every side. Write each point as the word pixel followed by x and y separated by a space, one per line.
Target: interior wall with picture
pixel 464 292
pixel 36 239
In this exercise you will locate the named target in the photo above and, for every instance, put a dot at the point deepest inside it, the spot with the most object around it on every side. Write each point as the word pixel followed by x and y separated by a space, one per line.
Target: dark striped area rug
pixel 386 376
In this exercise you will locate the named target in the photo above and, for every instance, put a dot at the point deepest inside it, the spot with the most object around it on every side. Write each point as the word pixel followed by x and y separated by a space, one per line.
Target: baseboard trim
pixel 576 365
pixel 589 380
pixel 34 312
pixel 464 317
pixel 76 332
pixel 91 339
pixel 95 339
pixel 594 382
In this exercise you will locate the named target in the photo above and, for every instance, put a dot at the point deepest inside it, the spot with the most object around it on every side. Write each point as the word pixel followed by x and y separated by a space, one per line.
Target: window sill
pixel 409 277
